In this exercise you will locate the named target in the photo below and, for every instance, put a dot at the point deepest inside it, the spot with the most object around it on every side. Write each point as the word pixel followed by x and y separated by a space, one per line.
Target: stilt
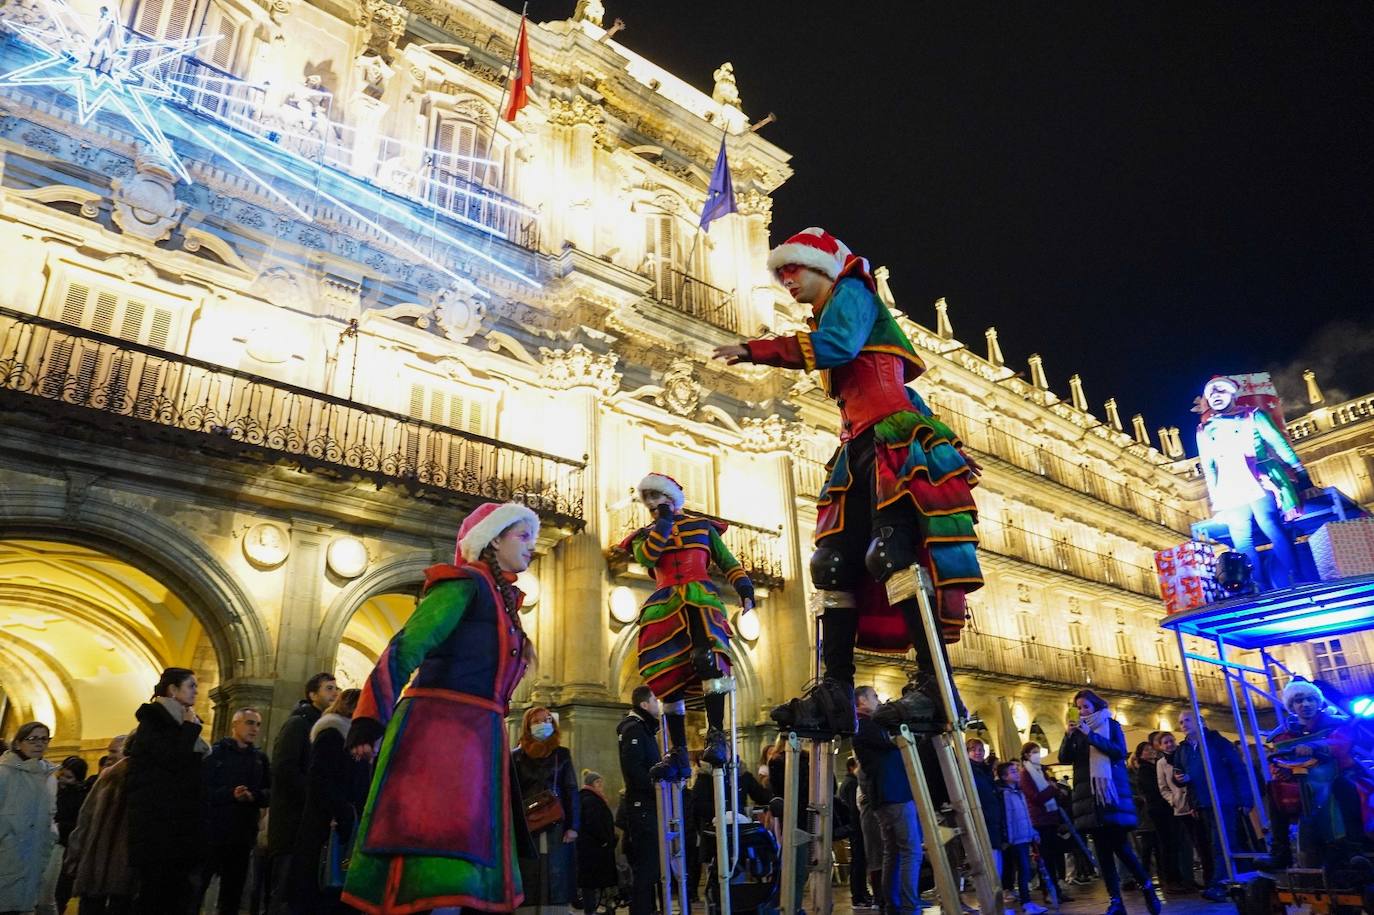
pixel 817 815
pixel 727 821
pixel 672 847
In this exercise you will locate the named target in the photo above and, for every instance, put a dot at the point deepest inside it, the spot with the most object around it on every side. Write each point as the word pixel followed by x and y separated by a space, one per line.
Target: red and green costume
pixel 443 824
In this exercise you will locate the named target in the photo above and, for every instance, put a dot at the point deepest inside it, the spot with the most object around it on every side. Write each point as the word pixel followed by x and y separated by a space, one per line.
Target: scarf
pixel 1037 775
pixel 538 749
pixel 178 713
pixel 1099 765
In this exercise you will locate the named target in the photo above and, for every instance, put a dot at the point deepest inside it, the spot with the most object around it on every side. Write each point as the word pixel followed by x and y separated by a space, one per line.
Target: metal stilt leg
pixel 816 837
pixel 672 849
pixel 727 823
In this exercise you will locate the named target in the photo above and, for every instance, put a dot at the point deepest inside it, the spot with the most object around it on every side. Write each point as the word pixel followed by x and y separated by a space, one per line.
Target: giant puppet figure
pixel 1253 475
pixel 899 491
pixel 444 822
pixel 684 636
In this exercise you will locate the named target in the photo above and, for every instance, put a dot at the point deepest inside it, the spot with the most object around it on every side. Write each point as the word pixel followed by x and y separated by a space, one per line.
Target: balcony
pixel 988 439
pixel 694 297
pixel 981 655
pixel 115 385
pixel 1061 556
pixel 758 549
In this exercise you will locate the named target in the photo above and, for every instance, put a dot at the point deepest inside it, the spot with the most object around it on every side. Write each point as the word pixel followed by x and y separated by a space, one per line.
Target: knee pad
pixel 891 551
pixel 830 571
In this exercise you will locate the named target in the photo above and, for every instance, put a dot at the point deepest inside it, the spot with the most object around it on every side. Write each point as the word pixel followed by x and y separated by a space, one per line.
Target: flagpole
pixel 696 239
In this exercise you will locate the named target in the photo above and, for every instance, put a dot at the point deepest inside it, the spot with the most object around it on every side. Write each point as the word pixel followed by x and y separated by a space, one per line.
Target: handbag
pixel 544 809
pixel 334 857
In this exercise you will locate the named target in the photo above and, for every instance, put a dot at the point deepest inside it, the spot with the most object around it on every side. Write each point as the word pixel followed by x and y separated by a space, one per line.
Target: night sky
pixel 1146 194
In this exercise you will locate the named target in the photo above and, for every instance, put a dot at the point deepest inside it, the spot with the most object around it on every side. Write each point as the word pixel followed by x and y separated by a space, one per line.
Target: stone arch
pixel 218 599
pixel 403 572
pixel 747 696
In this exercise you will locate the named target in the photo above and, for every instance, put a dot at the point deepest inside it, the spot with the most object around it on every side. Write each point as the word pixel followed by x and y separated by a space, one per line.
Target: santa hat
pixel 485 524
pixel 814 248
pixel 661 482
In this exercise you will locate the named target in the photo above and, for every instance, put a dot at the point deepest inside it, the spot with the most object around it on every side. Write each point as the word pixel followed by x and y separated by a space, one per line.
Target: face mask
pixel 542 731
pixel 1035 758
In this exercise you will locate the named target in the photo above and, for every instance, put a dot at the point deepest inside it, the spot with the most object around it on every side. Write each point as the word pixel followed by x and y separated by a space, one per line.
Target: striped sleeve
pixel 734 572
pixel 433 621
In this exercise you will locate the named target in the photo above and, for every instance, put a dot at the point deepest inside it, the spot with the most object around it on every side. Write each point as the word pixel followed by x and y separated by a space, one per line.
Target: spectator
pixel 72 788
pixel 985 780
pixel 28 805
pixel 596 871
pixel 638 753
pixel 1018 835
pixel 858 862
pixel 98 848
pixel 1234 799
pixel 1146 837
pixel 1102 799
pixel 290 761
pixel 702 806
pixel 336 789
pixel 896 811
pixel 1161 813
pixel 1186 824
pixel 544 766
pixel 167 796
pixel 1042 802
pixel 777 785
pixel 238 779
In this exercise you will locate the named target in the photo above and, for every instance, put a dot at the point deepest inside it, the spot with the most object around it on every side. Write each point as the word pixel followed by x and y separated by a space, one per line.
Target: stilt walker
pixel 684 643
pixel 894 518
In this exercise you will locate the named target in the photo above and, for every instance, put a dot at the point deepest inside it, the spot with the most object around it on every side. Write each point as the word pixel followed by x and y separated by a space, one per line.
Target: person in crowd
pixel 28 805
pixel 1102 797
pixel 1233 794
pixel 166 796
pixel 1042 802
pixel 701 810
pixel 543 766
pixel 596 871
pixel 335 791
pixel 442 734
pixel 72 788
pixel 1186 824
pixel 896 810
pixel 1145 836
pixel 1017 837
pixel 985 780
pixel 858 862
pixel 639 752
pixel 777 781
pixel 98 848
pixel 1161 814
pixel 290 760
pixel 238 781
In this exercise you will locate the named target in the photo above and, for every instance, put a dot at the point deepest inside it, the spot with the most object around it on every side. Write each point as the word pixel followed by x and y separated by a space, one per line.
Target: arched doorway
pixel 372 625
pixel 83 637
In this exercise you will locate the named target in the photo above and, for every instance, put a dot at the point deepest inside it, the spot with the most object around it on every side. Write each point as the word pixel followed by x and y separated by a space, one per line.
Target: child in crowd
pixel 1016 856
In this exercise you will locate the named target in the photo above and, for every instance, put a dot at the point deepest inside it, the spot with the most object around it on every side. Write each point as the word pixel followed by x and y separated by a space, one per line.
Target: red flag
pixel 521 78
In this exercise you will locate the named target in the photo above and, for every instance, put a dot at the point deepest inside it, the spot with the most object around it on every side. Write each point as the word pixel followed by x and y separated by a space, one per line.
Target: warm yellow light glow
pixel 1020 715
pixel 347 557
pixel 624 607
pixel 528 582
pixel 747 625
pixel 1164 724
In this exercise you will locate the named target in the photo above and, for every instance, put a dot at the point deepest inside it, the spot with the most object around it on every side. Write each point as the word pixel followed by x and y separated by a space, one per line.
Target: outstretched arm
pixel 844 326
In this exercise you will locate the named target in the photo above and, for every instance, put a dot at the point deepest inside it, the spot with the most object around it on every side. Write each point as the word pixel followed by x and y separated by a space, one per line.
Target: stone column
pixel 232 695
pixel 299 622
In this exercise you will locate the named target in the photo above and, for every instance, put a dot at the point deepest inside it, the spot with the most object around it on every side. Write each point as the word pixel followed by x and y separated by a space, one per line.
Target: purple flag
pixel 720 196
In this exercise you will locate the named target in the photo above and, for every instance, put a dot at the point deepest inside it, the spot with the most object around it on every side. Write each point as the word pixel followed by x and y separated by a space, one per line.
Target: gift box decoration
pixel 1187 576
pixel 1341 549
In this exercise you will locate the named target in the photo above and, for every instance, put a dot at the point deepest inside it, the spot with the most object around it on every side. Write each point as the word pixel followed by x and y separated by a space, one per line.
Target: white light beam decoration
pixel 103 69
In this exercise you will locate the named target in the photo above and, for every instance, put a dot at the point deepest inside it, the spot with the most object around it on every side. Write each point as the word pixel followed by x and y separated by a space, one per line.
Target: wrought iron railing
pixel 1035 661
pixel 98 378
pixel 985 438
pixel 758 549
pixel 1060 555
pixel 698 298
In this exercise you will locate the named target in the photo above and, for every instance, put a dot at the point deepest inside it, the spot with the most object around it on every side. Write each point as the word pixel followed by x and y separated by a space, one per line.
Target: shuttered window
pixel 220 26
pixel 439 452
pixel 164 19
pixel 696 475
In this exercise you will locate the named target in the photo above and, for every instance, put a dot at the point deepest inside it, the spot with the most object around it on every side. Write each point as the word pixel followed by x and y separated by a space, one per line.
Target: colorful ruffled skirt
pixel 665 637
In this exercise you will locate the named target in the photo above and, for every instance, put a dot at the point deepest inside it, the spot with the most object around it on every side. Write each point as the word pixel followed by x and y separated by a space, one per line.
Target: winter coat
pixel 69 801
pixel 992 804
pixel 638 753
pixel 335 792
pixel 596 843
pixel 1145 821
pixel 1037 798
pixel 703 806
pixel 1228 769
pixel 290 761
pixel 28 803
pixel 1179 798
pixel 166 791
pixel 551 877
pixel 880 760
pixel 99 845
pixel 233 822
pixel 1016 815
pixel 1147 786
pixel 1076 751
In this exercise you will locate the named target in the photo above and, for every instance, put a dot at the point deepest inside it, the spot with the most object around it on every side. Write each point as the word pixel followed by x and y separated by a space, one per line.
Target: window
pixel 666 258
pixel 1012 535
pixel 220 26
pixel 445 451
pixel 458 181
pixel 74 368
pixel 1329 661
pixel 696 475
pixel 1026 632
pixel 164 19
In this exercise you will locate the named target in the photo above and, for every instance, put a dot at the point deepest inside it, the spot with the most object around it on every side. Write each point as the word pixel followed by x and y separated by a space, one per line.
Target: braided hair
pixel 506 589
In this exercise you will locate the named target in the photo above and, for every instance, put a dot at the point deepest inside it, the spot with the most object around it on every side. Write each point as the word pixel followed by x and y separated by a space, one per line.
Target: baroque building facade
pixel 246 406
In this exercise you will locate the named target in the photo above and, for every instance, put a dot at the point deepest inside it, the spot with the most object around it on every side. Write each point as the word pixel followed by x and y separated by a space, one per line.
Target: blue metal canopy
pixel 1322 610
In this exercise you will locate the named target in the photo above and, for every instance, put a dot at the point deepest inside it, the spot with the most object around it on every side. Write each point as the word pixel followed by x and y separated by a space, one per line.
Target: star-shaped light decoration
pixel 104 69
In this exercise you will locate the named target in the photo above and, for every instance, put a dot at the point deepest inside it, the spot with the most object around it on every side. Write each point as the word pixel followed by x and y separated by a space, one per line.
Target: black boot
pixel 1151 898
pixel 717 752
pixel 827 707
pixel 1117 907
pixel 673 767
